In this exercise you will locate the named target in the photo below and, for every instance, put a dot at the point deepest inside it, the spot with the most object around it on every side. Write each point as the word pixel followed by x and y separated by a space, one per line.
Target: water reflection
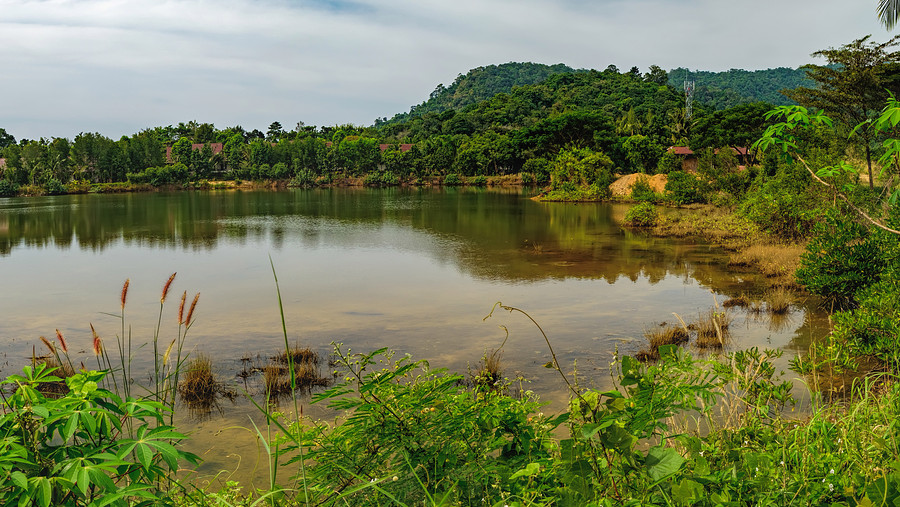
pixel 488 234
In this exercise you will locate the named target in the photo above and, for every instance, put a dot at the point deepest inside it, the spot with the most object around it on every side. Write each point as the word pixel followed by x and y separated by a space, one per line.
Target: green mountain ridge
pixel 713 90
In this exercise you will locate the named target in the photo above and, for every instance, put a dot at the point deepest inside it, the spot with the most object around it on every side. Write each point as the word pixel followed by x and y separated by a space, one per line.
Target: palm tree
pixel 889 12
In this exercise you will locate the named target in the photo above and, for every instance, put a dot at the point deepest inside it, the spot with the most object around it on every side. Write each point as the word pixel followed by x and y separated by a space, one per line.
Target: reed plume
pixel 165 291
pixel 125 291
pixel 181 308
pixel 165 360
pixel 49 345
pixel 62 342
pixel 98 344
pixel 187 320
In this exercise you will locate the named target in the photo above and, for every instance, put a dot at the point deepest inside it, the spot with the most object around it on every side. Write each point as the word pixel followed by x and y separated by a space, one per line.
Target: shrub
pixel 642 215
pixel 304 178
pixel 478 181
pixel 841 259
pixel 8 188
pixel 54 187
pixel 781 210
pixel 453 179
pixel 642 191
pixel 540 168
pixel 684 188
pixel 668 163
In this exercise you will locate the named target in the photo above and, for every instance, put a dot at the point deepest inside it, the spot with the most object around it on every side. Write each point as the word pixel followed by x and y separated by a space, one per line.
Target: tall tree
pixel 854 86
pixel 6 139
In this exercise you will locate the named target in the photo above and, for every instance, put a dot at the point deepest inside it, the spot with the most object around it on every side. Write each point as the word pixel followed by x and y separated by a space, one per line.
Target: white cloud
pixel 117 66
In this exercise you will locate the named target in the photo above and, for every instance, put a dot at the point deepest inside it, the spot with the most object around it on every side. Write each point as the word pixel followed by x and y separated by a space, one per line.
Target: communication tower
pixel 688 99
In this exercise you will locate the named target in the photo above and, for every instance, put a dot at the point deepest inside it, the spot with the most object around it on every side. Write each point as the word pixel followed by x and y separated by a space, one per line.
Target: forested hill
pixel 480 84
pixel 714 90
pixel 721 90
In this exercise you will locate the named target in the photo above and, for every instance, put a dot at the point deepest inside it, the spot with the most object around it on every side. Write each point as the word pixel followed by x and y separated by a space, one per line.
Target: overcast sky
pixel 118 66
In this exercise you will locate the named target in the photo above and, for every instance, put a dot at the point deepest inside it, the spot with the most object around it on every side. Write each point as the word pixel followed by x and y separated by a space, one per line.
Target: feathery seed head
pixel 62 342
pixel 187 320
pixel 181 308
pixel 125 291
pixel 48 344
pixel 165 291
pixel 98 344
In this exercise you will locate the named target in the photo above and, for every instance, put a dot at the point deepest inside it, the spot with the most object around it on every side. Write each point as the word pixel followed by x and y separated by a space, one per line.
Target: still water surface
pixel 415 270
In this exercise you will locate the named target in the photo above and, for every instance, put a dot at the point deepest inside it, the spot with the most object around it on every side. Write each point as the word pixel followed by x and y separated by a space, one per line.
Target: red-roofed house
pixel 216 149
pixel 689 160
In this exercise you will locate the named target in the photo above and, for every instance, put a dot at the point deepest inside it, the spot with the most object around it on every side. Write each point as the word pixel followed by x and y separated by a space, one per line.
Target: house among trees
pixel 402 147
pixel 690 159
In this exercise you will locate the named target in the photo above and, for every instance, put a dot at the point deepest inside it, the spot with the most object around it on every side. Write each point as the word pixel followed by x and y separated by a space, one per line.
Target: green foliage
pixel 53 187
pixel 381 179
pixel 411 432
pixel 540 168
pixel 478 181
pixel 8 188
pixel 479 84
pixel 581 167
pixel 669 162
pixel 723 90
pixel 643 192
pixel 453 179
pixel 642 215
pixel 685 188
pixel 72 450
pixel 162 175
pixel 842 258
pixel 784 205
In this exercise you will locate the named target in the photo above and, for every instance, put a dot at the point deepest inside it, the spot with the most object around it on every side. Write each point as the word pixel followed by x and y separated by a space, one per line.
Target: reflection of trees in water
pixel 492 235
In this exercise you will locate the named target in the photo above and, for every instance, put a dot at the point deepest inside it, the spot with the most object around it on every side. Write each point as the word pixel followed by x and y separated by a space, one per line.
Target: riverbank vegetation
pixel 811 203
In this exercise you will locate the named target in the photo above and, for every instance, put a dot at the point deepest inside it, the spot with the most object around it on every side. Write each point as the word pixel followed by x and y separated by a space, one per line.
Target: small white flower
pixel 830 487
pixel 394 478
pixel 756 469
pixel 831 471
pixel 373 479
pixel 782 463
pixel 701 454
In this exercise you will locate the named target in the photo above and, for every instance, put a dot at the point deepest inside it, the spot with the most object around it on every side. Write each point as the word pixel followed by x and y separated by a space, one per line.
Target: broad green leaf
pixel 688 492
pixel 19 479
pixel 43 492
pixel 530 470
pixel 662 462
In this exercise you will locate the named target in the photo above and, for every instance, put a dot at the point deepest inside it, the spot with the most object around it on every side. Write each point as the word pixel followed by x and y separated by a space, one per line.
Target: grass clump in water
pixel 779 301
pixel 666 335
pixel 199 387
pixel 712 330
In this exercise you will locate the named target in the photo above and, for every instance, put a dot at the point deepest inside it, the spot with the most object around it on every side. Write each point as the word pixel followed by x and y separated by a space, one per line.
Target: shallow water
pixel 415 270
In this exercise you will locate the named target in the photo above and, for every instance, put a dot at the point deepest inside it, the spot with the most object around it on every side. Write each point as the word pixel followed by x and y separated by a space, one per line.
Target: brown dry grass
pixel 656 338
pixel 299 355
pixel 712 330
pixel 63 371
pixel 276 374
pixel 779 301
pixel 775 261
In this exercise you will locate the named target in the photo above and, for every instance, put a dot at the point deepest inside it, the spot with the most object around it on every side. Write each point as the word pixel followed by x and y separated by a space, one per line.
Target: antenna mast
pixel 688 99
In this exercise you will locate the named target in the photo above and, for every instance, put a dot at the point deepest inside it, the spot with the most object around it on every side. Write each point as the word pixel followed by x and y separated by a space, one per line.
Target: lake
pixel 412 269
